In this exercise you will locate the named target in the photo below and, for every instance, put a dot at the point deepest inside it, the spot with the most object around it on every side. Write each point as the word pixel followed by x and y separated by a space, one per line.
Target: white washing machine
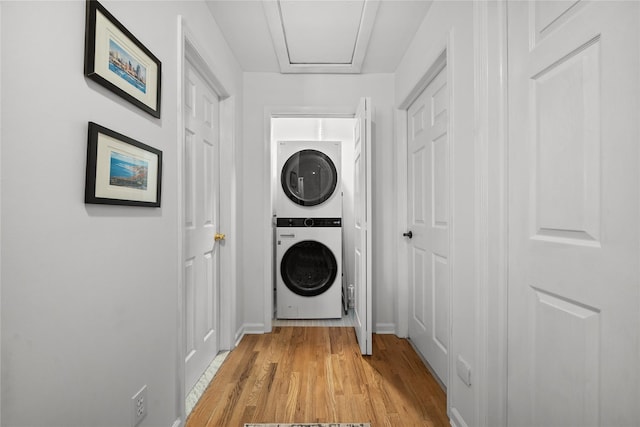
pixel 309 268
pixel 309 180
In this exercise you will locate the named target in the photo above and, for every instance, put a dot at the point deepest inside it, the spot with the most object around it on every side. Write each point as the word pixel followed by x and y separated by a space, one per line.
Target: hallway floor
pixel 316 374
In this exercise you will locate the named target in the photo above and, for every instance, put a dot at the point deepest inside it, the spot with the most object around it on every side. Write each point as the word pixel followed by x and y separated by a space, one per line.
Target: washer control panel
pixel 309 222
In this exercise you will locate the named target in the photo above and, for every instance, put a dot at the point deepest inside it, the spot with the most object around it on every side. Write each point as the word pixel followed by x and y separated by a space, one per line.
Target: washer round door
pixel 308 268
pixel 309 177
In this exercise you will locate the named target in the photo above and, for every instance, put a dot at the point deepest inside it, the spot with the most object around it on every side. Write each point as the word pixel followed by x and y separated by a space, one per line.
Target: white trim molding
pixel 450 54
pixel 385 328
pixel 0 222
pixel 181 335
pixel 497 159
pixel 273 14
pixel 481 153
pixel 248 329
pixel 456 419
pixel 269 188
pixel 436 66
pixel 490 129
pixel 228 222
pixel 402 252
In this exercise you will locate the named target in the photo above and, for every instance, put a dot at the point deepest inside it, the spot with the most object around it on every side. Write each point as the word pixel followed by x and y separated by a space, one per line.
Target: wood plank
pixel 316 374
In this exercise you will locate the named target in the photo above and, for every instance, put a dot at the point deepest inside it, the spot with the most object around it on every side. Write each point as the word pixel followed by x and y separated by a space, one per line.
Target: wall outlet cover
pixel 139 406
pixel 464 371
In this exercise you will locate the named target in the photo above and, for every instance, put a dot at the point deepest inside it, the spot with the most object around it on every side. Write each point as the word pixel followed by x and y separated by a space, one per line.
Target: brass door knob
pixel 219 236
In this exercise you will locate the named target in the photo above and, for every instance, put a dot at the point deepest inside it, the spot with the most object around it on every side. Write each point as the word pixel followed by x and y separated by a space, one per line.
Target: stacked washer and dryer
pixel 309 230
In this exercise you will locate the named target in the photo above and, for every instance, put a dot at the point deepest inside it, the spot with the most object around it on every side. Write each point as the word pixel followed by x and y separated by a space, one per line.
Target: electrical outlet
pixel 464 371
pixel 139 401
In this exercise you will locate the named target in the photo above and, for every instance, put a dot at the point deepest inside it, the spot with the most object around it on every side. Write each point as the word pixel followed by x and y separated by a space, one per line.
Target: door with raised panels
pixel 363 221
pixel 574 290
pixel 428 210
pixel 201 191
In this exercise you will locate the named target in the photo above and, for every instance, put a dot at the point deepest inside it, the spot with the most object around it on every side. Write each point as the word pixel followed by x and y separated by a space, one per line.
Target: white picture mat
pixel 107 145
pixel 106 31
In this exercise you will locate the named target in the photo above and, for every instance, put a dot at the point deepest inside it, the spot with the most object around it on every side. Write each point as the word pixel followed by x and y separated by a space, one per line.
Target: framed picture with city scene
pixel 121 170
pixel 117 60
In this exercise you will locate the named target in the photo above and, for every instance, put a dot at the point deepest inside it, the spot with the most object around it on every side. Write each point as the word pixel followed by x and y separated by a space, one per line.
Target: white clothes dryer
pixel 309 268
pixel 309 180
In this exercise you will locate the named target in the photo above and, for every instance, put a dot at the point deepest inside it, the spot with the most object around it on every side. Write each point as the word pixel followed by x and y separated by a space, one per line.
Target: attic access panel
pixel 321 32
pixel 320 36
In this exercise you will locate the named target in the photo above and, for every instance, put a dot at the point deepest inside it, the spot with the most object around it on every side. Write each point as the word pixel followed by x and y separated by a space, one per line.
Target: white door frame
pixel 0 222
pixel 491 163
pixel 402 251
pixel 189 48
pixel 438 64
pixel 270 157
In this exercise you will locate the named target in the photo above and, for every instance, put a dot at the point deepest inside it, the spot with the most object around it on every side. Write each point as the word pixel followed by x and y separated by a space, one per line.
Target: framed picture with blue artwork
pixel 117 60
pixel 121 170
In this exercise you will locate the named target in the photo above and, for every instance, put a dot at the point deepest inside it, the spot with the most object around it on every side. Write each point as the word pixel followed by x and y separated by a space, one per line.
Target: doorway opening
pixel 426 256
pixel 362 209
pixel 206 193
pixel 321 132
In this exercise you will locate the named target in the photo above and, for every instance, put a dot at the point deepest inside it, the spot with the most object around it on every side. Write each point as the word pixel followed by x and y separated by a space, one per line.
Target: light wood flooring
pixel 316 374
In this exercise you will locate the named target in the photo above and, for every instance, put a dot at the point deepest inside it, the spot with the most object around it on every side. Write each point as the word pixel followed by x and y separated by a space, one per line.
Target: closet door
pixel 429 223
pixel 574 289
pixel 362 234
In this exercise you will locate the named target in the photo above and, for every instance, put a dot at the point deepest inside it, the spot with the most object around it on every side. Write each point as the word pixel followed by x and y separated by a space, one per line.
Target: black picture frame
pixel 117 60
pixel 121 170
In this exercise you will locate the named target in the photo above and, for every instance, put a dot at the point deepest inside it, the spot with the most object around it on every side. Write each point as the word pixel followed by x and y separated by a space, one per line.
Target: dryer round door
pixel 308 268
pixel 309 177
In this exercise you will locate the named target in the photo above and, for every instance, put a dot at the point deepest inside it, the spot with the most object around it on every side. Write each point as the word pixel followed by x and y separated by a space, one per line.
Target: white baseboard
pixel 385 328
pixel 456 419
pixel 238 336
pixel 248 328
pixel 254 328
pixel 177 423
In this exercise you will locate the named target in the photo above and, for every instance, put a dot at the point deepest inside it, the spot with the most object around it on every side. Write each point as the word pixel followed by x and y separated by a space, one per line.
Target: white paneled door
pixel 574 290
pixel 428 221
pixel 201 192
pixel 362 235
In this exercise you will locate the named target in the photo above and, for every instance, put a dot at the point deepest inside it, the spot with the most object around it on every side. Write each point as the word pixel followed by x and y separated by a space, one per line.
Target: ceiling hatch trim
pixel 361 30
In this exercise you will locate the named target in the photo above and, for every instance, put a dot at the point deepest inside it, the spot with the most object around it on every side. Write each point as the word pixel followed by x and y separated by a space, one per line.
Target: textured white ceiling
pixel 244 25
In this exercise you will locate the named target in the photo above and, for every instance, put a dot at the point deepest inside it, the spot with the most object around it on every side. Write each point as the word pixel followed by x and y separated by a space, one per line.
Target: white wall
pixel 263 90
pixel 89 292
pixel 451 25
